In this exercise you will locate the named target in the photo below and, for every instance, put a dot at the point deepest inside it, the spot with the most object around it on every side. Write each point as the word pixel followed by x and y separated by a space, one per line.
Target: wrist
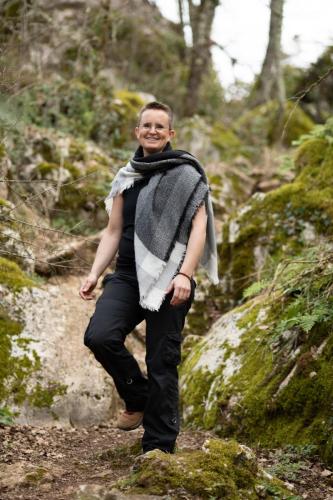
pixel 184 274
pixel 187 271
pixel 93 275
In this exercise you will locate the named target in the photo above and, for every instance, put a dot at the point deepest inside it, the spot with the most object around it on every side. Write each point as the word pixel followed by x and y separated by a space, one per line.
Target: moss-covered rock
pixel 20 365
pixel 278 224
pixel 226 141
pixel 70 179
pixel 17 367
pixel 93 112
pixel 256 128
pixel 221 469
pixel 209 142
pixel 264 371
pixel 12 277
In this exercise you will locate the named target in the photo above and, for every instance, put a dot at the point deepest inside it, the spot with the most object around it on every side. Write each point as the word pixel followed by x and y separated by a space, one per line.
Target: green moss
pixel 131 101
pixel 225 140
pixel 43 397
pixel 12 276
pixel 257 126
pixel 36 475
pixel 195 394
pixel 121 456
pixel 312 152
pixel 46 168
pixel 2 151
pixel 222 469
pixel 14 370
pixel 78 150
pixel 18 362
pixel 4 203
pixel 282 390
pixel 279 223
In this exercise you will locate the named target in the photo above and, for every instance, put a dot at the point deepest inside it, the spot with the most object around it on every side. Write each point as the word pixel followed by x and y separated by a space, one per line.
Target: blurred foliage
pixel 6 416
pixel 77 108
pixel 256 128
pixel 137 50
pixel 318 102
pixel 318 132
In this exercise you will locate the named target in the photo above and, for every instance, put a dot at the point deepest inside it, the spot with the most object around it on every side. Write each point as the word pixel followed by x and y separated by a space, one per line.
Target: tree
pixel 201 18
pixel 270 84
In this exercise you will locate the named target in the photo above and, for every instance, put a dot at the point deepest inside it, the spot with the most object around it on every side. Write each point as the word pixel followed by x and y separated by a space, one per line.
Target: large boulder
pixel 47 375
pixel 264 371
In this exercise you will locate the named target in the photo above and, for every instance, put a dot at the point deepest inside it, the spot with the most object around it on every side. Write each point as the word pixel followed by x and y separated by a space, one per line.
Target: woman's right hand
pixel 88 286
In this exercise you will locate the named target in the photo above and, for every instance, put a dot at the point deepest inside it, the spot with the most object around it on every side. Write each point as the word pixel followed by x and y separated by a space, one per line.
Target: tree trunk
pixel 201 21
pixel 270 84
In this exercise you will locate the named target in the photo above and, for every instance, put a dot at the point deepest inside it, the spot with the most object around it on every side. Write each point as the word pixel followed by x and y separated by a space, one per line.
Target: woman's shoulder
pixel 185 170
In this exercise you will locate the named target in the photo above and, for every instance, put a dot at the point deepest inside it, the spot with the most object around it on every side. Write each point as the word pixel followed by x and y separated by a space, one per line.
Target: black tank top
pixel 126 256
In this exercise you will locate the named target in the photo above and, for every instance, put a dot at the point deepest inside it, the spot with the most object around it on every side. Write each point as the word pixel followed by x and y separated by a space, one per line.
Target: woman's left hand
pixel 182 289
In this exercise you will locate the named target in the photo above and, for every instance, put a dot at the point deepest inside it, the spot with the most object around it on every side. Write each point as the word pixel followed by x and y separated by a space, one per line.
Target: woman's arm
pixel 107 248
pixel 194 250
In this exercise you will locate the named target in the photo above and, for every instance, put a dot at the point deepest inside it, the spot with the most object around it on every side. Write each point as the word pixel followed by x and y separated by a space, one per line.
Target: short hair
pixel 157 105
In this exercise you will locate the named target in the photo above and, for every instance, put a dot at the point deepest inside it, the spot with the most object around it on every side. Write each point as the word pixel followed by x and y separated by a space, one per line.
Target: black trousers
pixel 117 313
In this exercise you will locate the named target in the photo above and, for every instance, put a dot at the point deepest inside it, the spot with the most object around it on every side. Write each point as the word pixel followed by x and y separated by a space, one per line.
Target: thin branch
pixel 28 182
pixel 29 198
pixel 33 259
pixel 48 229
pixel 301 96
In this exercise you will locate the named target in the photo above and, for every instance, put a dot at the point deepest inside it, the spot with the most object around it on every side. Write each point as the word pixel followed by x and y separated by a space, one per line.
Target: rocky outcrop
pixel 279 224
pixel 264 372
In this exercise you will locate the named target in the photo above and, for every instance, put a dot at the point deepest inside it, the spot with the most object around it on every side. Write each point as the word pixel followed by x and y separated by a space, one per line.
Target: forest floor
pixel 52 463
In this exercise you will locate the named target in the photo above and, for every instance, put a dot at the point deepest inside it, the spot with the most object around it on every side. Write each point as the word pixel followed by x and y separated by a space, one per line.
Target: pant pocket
pixel 172 349
pixel 107 278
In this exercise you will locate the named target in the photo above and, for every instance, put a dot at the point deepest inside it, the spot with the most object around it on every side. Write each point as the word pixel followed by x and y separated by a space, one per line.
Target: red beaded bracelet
pixel 187 276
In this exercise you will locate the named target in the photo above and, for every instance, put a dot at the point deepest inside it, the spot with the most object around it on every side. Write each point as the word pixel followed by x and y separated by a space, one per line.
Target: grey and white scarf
pixel 164 212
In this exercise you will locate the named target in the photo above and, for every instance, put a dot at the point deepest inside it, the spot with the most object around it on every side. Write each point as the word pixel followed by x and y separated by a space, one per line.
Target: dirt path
pixel 39 463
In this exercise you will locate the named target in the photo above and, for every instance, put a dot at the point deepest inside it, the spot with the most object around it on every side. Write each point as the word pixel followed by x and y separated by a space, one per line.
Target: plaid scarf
pixel 165 208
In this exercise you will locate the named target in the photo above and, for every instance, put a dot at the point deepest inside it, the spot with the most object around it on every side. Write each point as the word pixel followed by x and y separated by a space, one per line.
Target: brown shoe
pixel 129 420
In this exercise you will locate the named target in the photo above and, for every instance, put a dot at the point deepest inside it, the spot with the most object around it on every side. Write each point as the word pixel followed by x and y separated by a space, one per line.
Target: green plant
pixel 6 416
pixel 254 289
pixel 318 132
pixel 290 460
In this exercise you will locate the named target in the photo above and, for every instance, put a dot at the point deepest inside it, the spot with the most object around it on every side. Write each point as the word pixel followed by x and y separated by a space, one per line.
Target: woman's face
pixel 154 131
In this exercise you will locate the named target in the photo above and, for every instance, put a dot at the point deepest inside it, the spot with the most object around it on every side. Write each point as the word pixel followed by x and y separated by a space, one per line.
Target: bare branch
pixel 301 95
pixel 47 229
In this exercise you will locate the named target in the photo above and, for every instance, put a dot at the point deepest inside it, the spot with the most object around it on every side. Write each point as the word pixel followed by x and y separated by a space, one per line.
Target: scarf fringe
pixel 158 305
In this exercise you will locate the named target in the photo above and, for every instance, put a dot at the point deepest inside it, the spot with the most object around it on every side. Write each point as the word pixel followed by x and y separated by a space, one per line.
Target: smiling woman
pixel 161 222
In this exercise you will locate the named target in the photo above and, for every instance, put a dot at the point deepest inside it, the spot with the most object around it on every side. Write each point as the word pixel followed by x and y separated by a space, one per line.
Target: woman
pixel 160 222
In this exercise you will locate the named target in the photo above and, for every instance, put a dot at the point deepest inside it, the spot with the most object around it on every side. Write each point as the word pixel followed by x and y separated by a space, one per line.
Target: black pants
pixel 117 313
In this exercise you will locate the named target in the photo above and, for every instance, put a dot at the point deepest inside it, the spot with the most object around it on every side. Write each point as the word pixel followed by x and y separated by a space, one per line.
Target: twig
pixel 33 259
pixel 300 97
pixel 29 198
pixel 58 231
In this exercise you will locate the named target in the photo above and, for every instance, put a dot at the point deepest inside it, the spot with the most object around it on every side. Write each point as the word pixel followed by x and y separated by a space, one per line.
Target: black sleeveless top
pixel 126 256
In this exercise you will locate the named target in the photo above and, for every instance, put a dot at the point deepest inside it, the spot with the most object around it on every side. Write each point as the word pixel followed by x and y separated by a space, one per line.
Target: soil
pixel 54 463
